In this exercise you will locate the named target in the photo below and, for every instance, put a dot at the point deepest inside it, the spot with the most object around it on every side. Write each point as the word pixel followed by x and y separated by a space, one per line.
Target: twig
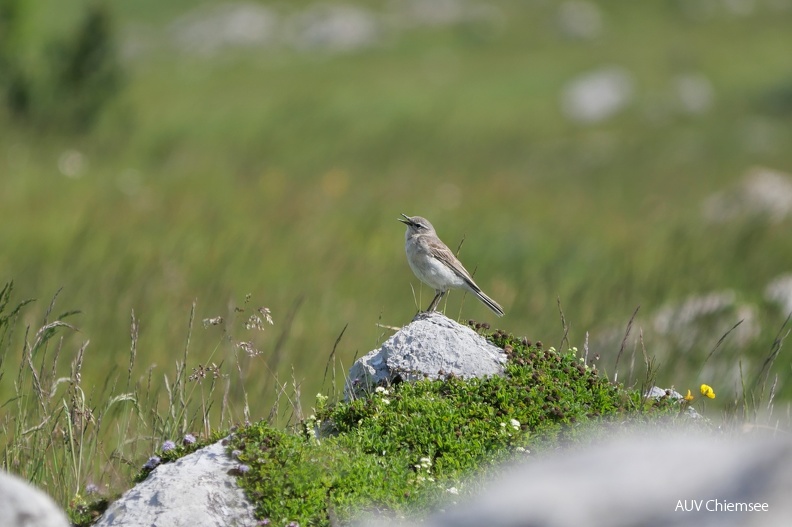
pixel 564 325
pixel 623 344
pixel 332 353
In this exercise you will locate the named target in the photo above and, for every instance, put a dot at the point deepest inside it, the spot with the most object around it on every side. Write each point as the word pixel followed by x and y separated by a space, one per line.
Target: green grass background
pixel 281 174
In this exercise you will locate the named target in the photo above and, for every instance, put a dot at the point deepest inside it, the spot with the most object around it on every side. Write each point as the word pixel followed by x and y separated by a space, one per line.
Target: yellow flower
pixel 707 391
pixel 689 397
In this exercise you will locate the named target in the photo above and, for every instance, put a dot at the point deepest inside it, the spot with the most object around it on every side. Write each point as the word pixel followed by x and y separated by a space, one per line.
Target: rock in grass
pixel 652 479
pixel 432 346
pixel 22 505
pixel 195 490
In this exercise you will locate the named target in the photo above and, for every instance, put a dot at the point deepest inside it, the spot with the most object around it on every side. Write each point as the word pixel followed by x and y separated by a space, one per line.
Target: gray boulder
pixel 432 346
pixel 597 95
pixel 195 490
pixel 648 479
pixel 22 505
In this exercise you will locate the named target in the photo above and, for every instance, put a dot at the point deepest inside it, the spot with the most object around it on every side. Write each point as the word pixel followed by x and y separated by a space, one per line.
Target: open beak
pixel 406 220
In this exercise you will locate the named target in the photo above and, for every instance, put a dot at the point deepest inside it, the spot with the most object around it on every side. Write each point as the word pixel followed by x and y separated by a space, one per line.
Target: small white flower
pixel 520 449
pixel 380 389
pixel 426 462
pixel 453 490
pixel 385 401
pixel 503 425
pixel 515 424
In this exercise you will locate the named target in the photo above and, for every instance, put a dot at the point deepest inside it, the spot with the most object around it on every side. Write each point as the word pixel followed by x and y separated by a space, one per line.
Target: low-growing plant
pixel 408 448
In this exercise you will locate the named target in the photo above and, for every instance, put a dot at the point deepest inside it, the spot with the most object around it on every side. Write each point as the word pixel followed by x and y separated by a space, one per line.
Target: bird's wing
pixel 444 254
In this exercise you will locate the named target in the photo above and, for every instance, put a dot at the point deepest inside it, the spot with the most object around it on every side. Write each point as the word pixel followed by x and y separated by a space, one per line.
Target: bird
pixel 435 265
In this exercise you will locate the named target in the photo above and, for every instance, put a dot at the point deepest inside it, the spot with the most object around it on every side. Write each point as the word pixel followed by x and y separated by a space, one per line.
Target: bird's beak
pixel 406 220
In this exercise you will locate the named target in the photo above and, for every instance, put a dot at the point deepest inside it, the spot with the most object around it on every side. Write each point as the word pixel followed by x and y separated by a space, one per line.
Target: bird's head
pixel 417 224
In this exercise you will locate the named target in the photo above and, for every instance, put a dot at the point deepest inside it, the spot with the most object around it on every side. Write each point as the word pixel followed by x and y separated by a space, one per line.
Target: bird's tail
pixel 490 303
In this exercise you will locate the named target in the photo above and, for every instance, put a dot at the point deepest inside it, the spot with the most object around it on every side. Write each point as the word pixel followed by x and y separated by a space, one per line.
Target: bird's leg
pixel 436 300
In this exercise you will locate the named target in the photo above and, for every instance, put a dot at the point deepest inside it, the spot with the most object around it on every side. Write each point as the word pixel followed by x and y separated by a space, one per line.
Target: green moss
pixel 404 449
pixel 84 511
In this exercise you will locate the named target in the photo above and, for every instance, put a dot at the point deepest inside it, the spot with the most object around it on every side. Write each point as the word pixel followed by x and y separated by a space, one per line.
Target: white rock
pixel 597 95
pixel 648 479
pixel 740 7
pixel 205 31
pixel 655 392
pixel 763 192
pixel 434 12
pixel 22 505
pixel 334 28
pixel 430 344
pixel 780 292
pixel 642 481
pixel 695 93
pixel 438 13
pixel 580 19
pixel 195 490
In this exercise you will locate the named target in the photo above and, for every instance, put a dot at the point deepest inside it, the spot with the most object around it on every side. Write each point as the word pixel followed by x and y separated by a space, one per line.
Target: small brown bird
pixel 435 265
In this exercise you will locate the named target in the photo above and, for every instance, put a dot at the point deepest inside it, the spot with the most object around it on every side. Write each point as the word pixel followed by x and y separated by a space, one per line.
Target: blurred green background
pixel 609 155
